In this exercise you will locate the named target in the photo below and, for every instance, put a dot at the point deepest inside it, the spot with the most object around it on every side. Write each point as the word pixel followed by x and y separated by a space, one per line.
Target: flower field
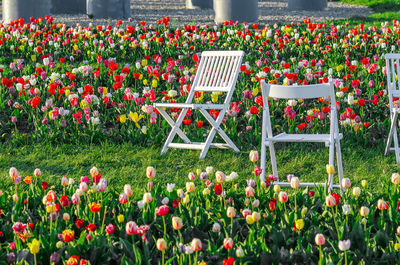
pixel 212 219
pixel 63 83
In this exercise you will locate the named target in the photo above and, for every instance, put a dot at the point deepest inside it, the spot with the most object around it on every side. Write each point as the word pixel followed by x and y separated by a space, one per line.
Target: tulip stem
pixel 345 257
pixel 232 227
pixel 134 247
pixel 165 228
pixel 295 206
pixel 320 254
pixel 195 258
pixel 163 260
pixel 34 255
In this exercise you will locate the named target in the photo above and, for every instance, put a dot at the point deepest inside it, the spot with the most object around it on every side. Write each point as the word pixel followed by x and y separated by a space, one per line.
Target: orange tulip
pixel 94 207
pixel 28 179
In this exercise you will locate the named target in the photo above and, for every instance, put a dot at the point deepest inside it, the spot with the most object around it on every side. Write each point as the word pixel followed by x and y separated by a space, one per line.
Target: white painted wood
pixel 217 71
pixel 332 140
pixel 309 91
pixel 198 146
pixel 306 184
pixel 190 106
pixel 393 70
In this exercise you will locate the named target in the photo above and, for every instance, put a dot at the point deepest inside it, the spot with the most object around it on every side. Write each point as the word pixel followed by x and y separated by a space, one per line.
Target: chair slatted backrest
pixel 301 92
pixel 218 71
pixel 392 73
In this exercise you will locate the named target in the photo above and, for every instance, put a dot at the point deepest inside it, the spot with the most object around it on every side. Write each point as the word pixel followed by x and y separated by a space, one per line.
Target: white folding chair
pixel 393 81
pixel 331 140
pixel 217 72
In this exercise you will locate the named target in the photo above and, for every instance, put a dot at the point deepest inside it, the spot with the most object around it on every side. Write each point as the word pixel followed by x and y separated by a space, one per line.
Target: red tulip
pixel 162 211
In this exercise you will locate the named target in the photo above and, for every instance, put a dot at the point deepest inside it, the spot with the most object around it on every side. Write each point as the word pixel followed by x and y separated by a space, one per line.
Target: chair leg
pixel 169 140
pixel 396 144
pixel 339 163
pixel 208 143
pixel 331 162
pixel 273 160
pixel 391 131
pixel 262 162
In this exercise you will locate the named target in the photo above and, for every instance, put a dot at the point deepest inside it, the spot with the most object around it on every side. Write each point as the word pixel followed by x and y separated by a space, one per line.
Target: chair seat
pixel 190 106
pixel 283 137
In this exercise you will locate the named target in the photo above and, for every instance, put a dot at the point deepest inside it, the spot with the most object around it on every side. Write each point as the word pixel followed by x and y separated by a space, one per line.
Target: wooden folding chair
pixel 217 72
pixel 393 82
pixel 331 140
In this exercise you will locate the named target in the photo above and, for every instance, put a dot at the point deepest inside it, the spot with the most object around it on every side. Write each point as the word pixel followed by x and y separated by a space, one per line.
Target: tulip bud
pixel 190 187
pixel 382 205
pixel 231 212
pixel 206 191
pixel 147 198
pixel 256 216
pixel 253 156
pixel 396 178
pixel 282 197
pixel 364 183
pixel 277 188
pixel 150 185
pixel 294 182
pixel 398 230
pixel 256 203
pixel 239 252
pixel 177 223
pixel 128 190
pixel 216 227
pixel 94 171
pixel 228 243
pixel 37 172
pixel 66 217
pixel 304 211
pixel 150 172
pixel 346 209
pixel 123 198
pixel 319 239
pixel 330 201
pixel 364 211
pixel 161 244
pixel 220 176
pixel 356 191
pixel 346 183
pixel 250 219
pixel 198 172
pixel 249 192
pixel 191 176
pixel 209 170
pixel 196 244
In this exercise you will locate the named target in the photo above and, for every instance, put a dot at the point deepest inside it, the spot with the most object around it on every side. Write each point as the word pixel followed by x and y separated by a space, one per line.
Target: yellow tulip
pixel 154 83
pixel 122 118
pixel 299 223
pixel 34 247
pixel 329 169
pixel 121 218
pixel 214 98
pixel 133 116
pixel 185 199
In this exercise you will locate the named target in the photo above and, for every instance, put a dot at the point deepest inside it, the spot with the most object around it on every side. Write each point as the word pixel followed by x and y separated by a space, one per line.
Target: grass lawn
pixel 384 10
pixel 125 163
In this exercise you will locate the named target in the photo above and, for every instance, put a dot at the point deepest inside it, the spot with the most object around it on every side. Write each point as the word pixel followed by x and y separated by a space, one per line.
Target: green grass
pixel 122 164
pixel 384 10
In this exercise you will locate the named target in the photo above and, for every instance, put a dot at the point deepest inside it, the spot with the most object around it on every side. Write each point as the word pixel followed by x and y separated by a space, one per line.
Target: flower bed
pixel 80 84
pixel 214 219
